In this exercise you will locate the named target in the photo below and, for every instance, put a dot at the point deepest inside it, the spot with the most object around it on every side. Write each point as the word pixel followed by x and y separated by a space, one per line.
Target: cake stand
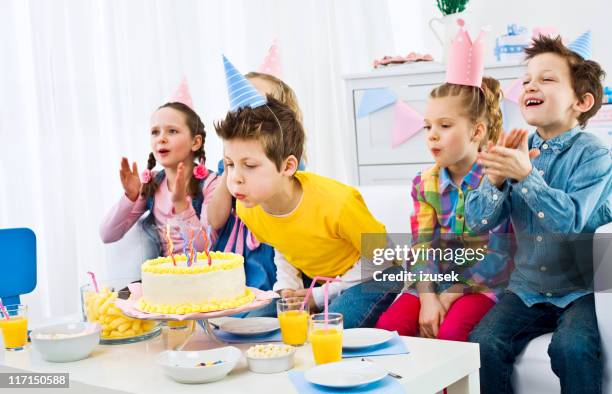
pixel 130 308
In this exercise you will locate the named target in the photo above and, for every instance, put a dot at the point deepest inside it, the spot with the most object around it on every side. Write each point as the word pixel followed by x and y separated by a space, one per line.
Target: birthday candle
pixel 191 259
pixel 170 244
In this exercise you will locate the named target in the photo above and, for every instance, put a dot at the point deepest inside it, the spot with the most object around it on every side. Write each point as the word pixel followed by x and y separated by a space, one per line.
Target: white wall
pixel 571 18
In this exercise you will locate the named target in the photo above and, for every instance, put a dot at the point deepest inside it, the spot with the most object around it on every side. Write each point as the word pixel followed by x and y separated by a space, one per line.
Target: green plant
pixel 448 7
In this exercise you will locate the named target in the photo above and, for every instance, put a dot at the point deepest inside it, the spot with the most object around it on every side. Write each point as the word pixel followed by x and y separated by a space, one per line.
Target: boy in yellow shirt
pixel 314 223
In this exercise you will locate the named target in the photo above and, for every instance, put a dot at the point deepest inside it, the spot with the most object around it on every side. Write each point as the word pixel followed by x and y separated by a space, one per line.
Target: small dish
pixel 252 326
pixel 270 358
pixel 66 342
pixel 199 366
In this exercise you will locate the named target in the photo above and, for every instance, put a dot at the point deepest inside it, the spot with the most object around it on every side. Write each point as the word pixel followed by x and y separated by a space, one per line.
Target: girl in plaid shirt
pixel 460 121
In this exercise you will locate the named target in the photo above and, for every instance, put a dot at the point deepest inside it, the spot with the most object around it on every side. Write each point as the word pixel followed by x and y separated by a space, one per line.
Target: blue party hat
pixel 582 45
pixel 241 92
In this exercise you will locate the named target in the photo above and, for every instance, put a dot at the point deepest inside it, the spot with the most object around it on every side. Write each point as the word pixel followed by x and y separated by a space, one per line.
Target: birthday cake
pixel 181 284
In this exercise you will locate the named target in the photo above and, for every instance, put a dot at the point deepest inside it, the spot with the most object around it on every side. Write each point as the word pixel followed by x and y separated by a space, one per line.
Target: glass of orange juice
pixel 326 337
pixel 15 328
pixel 293 320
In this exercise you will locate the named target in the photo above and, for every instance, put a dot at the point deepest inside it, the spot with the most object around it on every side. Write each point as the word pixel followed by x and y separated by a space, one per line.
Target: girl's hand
pixel 179 192
pixel 130 179
pixel 450 295
pixel 431 315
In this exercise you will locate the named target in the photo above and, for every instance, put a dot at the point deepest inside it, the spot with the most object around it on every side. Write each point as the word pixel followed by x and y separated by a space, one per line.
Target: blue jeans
pixel 360 305
pixel 574 351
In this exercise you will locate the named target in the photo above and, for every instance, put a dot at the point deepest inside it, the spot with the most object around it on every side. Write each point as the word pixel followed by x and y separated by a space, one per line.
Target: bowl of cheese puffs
pixel 98 306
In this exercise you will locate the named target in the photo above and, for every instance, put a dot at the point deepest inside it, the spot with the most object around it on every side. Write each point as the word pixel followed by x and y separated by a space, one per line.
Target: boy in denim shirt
pixel 562 192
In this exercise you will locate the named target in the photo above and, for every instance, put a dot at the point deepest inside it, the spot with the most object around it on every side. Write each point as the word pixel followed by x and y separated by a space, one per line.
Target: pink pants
pixel 463 315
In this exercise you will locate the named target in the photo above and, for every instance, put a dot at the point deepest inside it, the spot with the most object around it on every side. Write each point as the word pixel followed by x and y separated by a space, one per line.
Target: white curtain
pixel 79 80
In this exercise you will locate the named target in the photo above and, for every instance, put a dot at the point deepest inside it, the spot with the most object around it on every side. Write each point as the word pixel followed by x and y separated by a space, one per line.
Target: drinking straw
pixel 93 280
pixel 325 292
pixel 4 311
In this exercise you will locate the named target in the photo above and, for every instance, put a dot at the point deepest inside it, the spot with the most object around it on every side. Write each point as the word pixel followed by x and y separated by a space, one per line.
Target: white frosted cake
pixel 181 289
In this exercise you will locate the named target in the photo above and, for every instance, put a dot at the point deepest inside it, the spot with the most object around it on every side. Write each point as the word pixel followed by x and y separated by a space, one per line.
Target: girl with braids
pixel 175 195
pixel 460 120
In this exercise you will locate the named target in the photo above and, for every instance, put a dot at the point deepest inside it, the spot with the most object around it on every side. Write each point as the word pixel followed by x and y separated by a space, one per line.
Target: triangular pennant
pixel 513 90
pixel 241 92
pixel 271 64
pixel 374 100
pixel 406 123
pixel 582 45
pixel 181 94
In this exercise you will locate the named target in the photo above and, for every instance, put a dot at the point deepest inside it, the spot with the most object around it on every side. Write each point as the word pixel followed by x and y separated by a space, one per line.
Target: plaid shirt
pixel 438 222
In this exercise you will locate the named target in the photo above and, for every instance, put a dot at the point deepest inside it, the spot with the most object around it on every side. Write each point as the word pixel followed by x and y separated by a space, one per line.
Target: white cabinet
pixel 373 160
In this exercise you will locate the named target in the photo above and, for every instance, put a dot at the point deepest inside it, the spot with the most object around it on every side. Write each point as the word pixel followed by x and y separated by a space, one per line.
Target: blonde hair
pixel 481 104
pixel 281 91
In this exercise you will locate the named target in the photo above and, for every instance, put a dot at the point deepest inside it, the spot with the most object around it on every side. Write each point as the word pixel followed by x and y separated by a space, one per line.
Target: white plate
pixel 249 326
pixel 345 374
pixel 359 338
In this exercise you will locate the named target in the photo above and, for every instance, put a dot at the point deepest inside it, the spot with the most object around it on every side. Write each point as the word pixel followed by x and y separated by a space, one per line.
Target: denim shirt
pixel 567 193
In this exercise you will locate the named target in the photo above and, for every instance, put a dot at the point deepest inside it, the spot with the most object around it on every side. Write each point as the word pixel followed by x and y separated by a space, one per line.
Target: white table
pixel 430 366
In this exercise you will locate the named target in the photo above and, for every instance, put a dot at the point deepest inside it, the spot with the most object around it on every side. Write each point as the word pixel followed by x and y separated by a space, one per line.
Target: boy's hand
pixel 179 194
pixel 311 302
pixel 509 163
pixel 431 315
pixel 510 140
pixel 130 179
pixel 287 293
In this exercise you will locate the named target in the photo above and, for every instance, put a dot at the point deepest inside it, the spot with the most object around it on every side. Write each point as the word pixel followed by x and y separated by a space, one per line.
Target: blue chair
pixel 17 264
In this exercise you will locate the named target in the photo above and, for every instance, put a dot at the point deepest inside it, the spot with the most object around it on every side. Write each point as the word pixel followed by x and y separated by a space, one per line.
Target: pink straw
pixel 93 280
pixel 325 292
pixel 4 311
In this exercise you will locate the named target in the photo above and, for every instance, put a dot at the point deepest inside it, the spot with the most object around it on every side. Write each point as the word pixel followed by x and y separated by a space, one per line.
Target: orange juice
pixel 326 345
pixel 15 331
pixel 294 326
pixel 179 324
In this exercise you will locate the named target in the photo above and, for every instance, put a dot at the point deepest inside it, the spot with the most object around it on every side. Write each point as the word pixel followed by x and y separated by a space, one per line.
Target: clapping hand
pixel 129 179
pixel 509 158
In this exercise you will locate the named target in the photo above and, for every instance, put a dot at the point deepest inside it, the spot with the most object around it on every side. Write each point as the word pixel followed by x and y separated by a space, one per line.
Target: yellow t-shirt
pixel 322 236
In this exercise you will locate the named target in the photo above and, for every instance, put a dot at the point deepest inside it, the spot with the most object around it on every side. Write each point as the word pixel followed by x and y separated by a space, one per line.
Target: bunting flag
pixel 513 90
pixel 271 63
pixel 406 123
pixel 374 100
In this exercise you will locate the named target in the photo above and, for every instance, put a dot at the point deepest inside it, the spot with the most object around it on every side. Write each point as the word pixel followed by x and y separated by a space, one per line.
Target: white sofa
pixel 392 205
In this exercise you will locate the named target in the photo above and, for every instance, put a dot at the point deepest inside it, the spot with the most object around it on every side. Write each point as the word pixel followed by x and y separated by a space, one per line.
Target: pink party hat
pixel 271 64
pixel 466 58
pixel 182 95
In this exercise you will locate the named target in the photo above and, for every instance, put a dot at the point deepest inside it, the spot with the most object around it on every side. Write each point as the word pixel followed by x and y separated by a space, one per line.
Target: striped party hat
pixel 582 45
pixel 241 92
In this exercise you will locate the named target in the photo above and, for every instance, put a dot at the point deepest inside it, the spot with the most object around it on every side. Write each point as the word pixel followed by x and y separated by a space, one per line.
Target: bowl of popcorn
pixel 270 358
pixel 66 342
pixel 117 328
pixel 199 366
